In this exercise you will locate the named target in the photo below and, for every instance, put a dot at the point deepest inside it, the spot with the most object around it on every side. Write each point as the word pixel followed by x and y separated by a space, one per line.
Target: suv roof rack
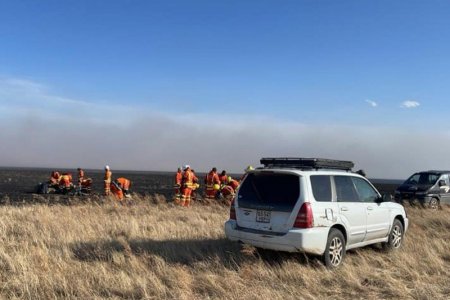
pixel 306 163
pixel 435 171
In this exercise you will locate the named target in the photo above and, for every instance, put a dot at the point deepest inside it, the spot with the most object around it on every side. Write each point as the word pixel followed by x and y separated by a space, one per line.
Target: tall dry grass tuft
pixel 150 250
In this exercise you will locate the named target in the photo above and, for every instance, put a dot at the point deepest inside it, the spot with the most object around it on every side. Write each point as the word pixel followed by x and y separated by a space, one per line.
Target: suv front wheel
pixel 395 236
pixel 335 250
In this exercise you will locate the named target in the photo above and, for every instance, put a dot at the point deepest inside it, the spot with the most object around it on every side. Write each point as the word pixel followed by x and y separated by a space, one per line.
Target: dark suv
pixel 430 188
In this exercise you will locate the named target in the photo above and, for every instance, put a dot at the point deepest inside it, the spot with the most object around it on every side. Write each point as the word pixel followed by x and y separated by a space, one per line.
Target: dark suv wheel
pixel 434 203
pixel 335 250
pixel 395 236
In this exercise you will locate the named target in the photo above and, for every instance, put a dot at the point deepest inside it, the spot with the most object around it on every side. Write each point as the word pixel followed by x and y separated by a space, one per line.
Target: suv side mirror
pixel 442 183
pixel 384 198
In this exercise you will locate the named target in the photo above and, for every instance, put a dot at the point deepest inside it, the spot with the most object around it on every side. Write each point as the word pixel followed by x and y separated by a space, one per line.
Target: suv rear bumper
pixel 312 240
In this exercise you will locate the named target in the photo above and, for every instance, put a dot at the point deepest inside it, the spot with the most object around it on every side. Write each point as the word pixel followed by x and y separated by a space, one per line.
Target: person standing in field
pixel 186 186
pixel 80 176
pixel 223 177
pixel 212 183
pixel 107 180
pixel 177 185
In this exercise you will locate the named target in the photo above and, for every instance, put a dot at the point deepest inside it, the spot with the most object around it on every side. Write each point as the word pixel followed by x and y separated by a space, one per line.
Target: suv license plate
pixel 263 216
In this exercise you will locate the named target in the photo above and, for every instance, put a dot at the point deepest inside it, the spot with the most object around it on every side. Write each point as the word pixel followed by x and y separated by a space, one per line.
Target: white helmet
pixel 186 167
pixel 106 167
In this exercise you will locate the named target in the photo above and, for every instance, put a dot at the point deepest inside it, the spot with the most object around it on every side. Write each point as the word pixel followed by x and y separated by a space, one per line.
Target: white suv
pixel 315 206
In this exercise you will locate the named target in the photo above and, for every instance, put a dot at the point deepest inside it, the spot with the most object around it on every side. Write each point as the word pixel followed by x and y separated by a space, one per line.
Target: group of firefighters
pixel 119 188
pixel 186 184
pixel 216 185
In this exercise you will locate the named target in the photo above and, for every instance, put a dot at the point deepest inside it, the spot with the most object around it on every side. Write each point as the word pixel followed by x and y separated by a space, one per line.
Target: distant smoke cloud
pixel 43 130
pixel 410 104
pixel 372 103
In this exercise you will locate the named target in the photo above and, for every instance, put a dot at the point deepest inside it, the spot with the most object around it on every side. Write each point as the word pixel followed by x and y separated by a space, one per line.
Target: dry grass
pixel 152 250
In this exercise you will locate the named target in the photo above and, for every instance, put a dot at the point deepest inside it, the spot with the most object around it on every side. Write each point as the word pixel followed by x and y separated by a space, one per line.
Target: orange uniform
pixel 187 185
pixel 234 184
pixel 107 180
pixel 223 177
pixel 212 182
pixel 65 180
pixel 227 191
pixel 124 183
pixel 116 190
pixel 54 178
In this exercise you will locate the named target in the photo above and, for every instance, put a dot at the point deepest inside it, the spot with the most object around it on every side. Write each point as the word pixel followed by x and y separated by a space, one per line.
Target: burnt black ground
pixel 18 184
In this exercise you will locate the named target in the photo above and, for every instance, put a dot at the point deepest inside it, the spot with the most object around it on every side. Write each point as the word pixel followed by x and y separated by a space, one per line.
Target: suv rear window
pixel 321 187
pixel 345 190
pixel 272 191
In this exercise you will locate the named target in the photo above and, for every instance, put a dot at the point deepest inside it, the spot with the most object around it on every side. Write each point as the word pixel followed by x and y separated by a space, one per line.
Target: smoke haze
pixel 41 130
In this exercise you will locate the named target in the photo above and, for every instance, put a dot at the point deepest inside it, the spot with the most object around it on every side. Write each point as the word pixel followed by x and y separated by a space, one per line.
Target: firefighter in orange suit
pixel 177 185
pixel 233 183
pixel 227 191
pixel 107 180
pixel 124 184
pixel 116 190
pixel 212 183
pixel 223 177
pixel 54 179
pixel 65 181
pixel 186 186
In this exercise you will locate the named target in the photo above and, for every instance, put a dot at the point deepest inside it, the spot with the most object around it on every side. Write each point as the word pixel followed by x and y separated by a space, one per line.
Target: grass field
pixel 155 250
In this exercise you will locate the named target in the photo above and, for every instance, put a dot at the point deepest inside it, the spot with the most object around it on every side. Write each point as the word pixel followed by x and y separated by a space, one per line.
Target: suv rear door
pixel 266 200
pixel 351 210
pixel 325 209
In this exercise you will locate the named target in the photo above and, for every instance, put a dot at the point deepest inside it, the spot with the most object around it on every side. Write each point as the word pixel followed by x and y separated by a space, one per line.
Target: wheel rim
pixel 433 204
pixel 336 250
pixel 396 236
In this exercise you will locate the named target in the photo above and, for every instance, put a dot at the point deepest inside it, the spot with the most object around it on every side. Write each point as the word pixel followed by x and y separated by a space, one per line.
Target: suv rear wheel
pixel 395 236
pixel 335 249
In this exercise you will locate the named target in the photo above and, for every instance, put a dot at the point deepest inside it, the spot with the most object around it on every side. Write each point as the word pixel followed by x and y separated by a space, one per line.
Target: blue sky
pixel 378 65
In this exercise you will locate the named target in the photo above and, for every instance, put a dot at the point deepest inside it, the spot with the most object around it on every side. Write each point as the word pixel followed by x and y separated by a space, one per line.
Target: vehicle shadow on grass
pixel 180 251
pixel 187 252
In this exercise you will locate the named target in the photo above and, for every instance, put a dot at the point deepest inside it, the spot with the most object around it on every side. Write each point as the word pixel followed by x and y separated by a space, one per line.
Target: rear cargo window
pixel 321 186
pixel 269 191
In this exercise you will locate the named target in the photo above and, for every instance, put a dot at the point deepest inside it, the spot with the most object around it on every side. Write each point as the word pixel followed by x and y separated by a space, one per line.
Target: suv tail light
pixel 304 217
pixel 232 211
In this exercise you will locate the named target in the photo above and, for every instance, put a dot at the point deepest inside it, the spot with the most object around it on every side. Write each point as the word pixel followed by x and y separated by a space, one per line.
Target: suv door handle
pixel 370 208
pixel 344 209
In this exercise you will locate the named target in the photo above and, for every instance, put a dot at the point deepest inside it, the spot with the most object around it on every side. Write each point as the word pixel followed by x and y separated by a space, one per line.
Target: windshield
pixel 271 191
pixel 422 179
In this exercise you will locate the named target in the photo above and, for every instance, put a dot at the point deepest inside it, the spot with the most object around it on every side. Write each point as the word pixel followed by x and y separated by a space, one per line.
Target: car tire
pixel 395 236
pixel 335 250
pixel 434 203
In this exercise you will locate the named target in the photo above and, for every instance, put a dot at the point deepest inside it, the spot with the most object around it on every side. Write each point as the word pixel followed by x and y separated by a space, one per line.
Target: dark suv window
pixel 422 178
pixel 272 191
pixel 365 191
pixel 321 187
pixel 345 190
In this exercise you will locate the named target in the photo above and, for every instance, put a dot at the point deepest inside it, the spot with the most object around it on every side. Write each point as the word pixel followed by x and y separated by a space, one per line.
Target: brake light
pixel 232 211
pixel 304 217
